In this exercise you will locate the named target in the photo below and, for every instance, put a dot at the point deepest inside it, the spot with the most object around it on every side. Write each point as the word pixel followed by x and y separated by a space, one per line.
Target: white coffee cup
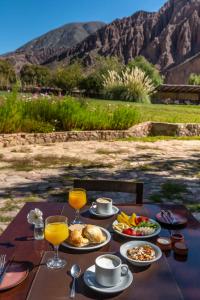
pixel 103 205
pixel 109 269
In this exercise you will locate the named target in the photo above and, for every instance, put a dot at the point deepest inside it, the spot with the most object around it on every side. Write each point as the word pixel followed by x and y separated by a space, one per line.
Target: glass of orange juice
pixel 77 199
pixel 56 231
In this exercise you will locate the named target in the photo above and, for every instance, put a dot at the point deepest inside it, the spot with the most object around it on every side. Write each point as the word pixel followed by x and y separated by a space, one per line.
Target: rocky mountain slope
pixel 167 38
pixel 39 50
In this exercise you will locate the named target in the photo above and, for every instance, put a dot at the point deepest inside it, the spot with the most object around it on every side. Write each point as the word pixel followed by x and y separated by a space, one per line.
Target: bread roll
pixel 93 234
pixel 76 239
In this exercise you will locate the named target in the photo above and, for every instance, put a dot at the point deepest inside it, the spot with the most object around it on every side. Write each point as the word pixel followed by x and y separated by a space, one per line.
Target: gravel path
pixel 169 169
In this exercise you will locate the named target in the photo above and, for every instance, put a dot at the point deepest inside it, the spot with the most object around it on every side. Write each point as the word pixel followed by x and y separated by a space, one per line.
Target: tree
pixel 194 79
pixel 35 75
pixel 93 82
pixel 67 78
pixel 149 69
pixel 7 74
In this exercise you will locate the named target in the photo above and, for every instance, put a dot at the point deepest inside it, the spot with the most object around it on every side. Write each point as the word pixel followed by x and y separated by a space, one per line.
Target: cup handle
pixel 125 269
pixel 94 205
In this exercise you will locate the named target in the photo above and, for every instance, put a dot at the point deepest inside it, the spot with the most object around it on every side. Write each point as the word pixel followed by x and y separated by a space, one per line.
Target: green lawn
pixel 158 112
pixel 18 113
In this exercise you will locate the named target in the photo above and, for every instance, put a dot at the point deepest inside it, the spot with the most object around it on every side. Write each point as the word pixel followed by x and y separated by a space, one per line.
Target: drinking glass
pixel 39 230
pixel 77 199
pixel 56 232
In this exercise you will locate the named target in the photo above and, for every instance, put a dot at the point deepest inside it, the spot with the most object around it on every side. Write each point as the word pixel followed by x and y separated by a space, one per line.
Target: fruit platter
pixel 134 226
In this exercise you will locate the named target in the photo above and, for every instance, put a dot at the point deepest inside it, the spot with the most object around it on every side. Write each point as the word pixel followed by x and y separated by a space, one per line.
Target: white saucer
pixel 89 279
pixel 115 211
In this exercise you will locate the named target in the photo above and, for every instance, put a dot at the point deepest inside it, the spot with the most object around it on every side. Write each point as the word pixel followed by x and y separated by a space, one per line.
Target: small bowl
pixel 177 238
pixel 132 244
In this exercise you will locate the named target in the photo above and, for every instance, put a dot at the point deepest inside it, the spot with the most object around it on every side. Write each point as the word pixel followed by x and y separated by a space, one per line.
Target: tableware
pixel 132 244
pixel 156 232
pixel 181 248
pixel 75 273
pixel 89 279
pixel 109 270
pixel 93 211
pixel 103 205
pixel 56 232
pixel 77 200
pixel 178 220
pixel 168 216
pixel 177 237
pixel 92 246
pixel 164 243
pixel 39 230
pixel 15 274
pixel 2 265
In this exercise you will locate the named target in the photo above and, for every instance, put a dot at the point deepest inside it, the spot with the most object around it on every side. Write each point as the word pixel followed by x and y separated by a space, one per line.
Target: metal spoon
pixel 75 273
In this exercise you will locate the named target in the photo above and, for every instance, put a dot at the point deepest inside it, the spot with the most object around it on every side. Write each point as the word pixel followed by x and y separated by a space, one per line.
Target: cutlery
pixel 75 273
pixel 2 266
pixel 5 269
pixel 165 216
pixel 171 216
pixel 168 216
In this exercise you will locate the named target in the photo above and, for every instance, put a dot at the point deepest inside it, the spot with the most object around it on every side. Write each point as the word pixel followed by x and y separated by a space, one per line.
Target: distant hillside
pixel 167 38
pixel 39 50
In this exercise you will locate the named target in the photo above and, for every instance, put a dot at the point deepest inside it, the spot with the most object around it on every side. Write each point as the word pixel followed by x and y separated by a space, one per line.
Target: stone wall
pixel 57 137
pixel 140 130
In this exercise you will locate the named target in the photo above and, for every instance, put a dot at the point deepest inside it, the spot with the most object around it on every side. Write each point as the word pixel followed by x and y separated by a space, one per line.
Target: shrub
pixel 7 74
pixel 131 84
pixel 124 117
pixel 93 82
pixel 149 69
pixel 31 125
pixel 44 115
pixel 194 79
pixel 35 75
pixel 68 78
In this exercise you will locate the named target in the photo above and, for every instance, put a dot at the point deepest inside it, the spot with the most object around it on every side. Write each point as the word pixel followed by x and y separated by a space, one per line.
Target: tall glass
pixel 56 232
pixel 77 199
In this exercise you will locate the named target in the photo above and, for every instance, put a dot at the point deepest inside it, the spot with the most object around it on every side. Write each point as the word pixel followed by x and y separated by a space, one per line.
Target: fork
pixel 2 265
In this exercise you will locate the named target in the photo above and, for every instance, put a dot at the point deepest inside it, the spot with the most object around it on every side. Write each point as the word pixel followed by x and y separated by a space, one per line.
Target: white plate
pixel 92 246
pixel 89 279
pixel 132 244
pixel 115 211
pixel 156 232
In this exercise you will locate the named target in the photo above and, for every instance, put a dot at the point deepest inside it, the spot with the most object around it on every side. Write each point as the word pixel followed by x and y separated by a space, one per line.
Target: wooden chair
pixel 135 188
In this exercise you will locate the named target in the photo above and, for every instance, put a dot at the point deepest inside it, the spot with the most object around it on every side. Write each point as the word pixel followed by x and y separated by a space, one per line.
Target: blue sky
pixel 23 20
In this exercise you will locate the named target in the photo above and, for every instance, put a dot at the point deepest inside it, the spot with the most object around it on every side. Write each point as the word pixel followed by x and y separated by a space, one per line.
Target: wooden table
pixel 18 239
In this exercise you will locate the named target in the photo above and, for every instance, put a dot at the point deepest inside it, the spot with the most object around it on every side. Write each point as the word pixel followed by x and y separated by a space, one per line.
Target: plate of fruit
pixel 134 226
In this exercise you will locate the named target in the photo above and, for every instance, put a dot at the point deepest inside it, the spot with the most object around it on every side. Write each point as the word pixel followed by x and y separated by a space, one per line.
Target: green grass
pixel 172 189
pixel 44 115
pixel 9 206
pixel 5 219
pixel 48 115
pixel 48 161
pixel 169 190
pixel 153 139
pixel 193 207
pixel 109 151
pixel 158 112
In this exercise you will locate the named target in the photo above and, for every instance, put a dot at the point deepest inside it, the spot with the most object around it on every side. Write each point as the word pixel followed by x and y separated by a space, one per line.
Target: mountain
pixel 40 50
pixel 169 38
pixel 166 38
